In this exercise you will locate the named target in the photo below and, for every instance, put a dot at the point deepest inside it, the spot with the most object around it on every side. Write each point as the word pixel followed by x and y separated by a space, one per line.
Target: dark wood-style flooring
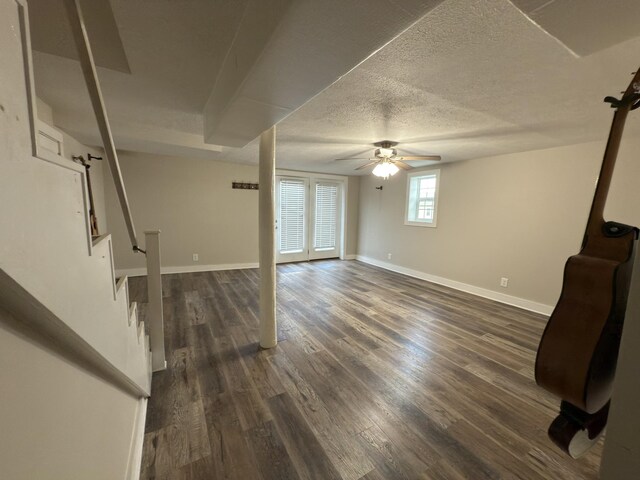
pixel 376 376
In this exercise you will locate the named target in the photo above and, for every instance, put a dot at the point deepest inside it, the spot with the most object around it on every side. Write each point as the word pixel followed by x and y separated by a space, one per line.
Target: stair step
pixel 121 282
pixel 100 238
pixel 133 313
pixel 141 333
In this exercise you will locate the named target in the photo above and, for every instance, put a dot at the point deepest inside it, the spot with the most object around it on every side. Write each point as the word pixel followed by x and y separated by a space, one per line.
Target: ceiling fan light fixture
pixel 385 169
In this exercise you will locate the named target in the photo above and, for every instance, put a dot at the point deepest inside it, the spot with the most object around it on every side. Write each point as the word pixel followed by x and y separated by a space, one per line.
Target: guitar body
pixel 579 348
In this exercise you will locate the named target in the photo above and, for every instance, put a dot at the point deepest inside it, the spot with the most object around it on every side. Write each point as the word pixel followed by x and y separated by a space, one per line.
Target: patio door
pixel 325 219
pixel 308 219
pixel 292 212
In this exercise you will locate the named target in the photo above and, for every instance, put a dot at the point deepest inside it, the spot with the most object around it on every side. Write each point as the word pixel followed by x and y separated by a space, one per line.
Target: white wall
pixel 57 420
pixel 353 215
pixel 191 201
pixel 518 216
pixel 621 456
pixel 71 147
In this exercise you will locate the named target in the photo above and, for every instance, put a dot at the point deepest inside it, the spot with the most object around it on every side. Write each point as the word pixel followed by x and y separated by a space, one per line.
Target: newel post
pixel 155 316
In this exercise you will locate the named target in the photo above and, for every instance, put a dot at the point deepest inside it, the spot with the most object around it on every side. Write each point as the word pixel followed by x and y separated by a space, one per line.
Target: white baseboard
pixel 464 287
pixel 140 272
pixel 350 257
pixel 137 441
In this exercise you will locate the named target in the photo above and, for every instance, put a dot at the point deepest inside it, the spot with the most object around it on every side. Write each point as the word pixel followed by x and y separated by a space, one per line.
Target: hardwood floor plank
pixel 350 460
pixel 271 454
pixel 255 361
pixel 376 376
pixel 232 456
pixel 501 460
pixel 196 309
pixel 305 451
pixel 251 410
pixel 207 362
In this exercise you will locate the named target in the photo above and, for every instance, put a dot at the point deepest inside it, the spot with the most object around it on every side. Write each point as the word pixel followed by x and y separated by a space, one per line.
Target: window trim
pixel 410 177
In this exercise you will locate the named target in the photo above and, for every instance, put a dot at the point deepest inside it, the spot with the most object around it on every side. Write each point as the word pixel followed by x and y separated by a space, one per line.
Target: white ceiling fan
pixel 387 161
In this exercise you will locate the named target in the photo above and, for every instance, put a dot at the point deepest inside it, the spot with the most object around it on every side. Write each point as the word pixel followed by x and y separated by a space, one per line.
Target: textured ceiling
pixel 50 32
pixel 585 26
pixel 288 51
pixel 472 78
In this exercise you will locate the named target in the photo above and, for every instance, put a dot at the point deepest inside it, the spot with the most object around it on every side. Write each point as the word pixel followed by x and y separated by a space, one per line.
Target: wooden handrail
pixel 83 46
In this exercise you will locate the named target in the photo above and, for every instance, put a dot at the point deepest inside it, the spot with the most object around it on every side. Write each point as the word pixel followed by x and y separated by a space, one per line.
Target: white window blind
pixel 326 216
pixel 292 205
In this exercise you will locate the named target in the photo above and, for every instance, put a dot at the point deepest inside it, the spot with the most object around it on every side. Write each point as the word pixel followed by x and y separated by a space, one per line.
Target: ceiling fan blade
pixel 351 158
pixel 402 165
pixel 367 165
pixel 420 157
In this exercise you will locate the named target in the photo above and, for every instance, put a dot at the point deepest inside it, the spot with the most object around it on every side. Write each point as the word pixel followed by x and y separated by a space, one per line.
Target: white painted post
pixel 267 254
pixel 155 315
pixel 621 458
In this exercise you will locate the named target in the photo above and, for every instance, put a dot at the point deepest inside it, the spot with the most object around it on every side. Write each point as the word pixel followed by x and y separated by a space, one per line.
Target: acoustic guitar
pixel 578 351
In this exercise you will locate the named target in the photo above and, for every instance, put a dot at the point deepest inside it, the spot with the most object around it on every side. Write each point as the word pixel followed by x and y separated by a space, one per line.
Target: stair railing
pixel 83 47
pixel 87 63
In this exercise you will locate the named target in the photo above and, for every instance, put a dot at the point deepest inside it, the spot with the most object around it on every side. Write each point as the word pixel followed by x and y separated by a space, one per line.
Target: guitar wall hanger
pixel 630 97
pixel 632 101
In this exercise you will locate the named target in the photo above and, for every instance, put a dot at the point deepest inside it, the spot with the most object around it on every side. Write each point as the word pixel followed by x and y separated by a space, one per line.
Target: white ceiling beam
pixel 141 138
pixel 287 51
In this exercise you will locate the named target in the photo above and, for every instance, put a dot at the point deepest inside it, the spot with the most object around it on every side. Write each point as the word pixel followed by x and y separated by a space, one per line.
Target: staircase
pixel 53 275
pixel 69 290
pixel 77 360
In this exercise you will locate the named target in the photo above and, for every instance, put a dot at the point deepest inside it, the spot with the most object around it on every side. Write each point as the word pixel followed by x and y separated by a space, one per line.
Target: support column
pixel 267 256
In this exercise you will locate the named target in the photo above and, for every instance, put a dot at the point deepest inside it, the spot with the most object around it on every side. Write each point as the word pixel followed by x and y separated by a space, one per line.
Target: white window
pixel 422 198
pixel 326 217
pixel 291 215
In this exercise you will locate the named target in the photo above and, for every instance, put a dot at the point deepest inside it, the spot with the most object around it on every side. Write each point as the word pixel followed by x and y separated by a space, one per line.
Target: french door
pixel 308 218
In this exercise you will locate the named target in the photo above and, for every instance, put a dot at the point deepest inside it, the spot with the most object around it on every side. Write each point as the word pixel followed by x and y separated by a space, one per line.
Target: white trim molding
pixel 351 256
pixel 464 287
pixel 142 271
pixel 137 441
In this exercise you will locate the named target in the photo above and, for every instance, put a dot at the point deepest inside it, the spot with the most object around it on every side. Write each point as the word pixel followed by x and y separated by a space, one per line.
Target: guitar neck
pixel 596 215
pixel 623 106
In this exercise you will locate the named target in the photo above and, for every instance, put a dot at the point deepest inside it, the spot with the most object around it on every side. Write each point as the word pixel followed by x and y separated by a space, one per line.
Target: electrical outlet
pixel 195 257
pixel 504 282
pixel 388 256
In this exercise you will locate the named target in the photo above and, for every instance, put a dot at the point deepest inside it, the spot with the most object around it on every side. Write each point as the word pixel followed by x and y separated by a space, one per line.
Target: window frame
pixel 410 178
